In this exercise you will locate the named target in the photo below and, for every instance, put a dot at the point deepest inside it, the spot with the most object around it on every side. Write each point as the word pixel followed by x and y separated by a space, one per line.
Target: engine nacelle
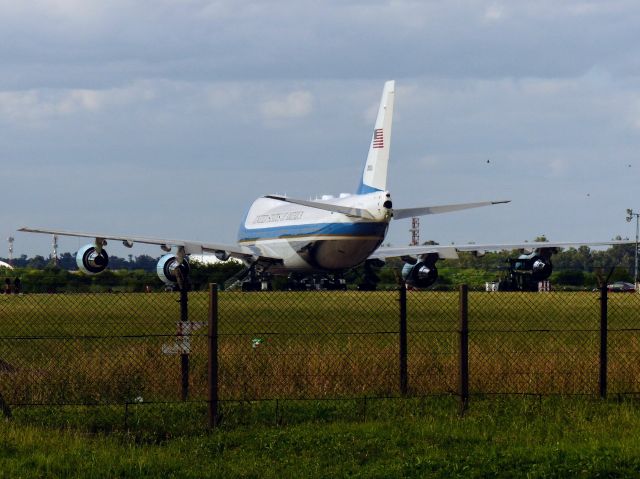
pixel 166 268
pixel 538 267
pixel 222 255
pixel 420 275
pixel 89 261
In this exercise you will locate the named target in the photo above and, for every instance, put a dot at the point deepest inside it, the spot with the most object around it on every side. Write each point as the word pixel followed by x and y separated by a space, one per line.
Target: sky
pixel 168 118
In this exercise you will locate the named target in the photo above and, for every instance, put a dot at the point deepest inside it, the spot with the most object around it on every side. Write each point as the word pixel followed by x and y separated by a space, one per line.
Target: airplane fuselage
pixel 310 239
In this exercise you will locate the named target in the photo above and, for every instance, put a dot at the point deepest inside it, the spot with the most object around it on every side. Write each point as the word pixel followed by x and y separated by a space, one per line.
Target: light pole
pixel 630 215
pixel 10 240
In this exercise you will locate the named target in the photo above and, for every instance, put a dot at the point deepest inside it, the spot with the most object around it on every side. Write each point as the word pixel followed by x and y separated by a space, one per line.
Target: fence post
pixel 212 348
pixel 603 340
pixel 464 348
pixel 4 408
pixel 403 340
pixel 185 330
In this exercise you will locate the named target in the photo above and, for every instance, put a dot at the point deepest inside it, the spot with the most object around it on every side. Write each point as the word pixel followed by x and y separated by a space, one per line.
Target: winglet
pixel 374 176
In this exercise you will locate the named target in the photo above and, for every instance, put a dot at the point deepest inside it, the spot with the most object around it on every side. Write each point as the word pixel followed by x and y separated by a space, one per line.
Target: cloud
pixel 34 107
pixel 534 86
pixel 494 13
pixel 80 44
pixel 297 104
pixel 559 166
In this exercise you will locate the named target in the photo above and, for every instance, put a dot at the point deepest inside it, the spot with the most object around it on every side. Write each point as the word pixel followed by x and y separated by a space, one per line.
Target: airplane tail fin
pixel 374 176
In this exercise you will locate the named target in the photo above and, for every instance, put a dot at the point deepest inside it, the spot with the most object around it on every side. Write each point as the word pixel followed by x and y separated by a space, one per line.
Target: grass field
pixel 107 348
pixel 537 438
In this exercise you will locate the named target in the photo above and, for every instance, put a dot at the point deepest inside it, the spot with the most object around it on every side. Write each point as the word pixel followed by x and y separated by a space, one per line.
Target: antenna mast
pixel 10 240
pixel 415 231
pixel 54 250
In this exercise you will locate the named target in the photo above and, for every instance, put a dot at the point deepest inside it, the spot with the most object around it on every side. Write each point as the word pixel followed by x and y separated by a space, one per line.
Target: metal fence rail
pixel 123 348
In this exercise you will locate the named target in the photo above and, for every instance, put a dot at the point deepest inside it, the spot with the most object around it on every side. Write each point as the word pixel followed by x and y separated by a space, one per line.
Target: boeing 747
pixel 282 235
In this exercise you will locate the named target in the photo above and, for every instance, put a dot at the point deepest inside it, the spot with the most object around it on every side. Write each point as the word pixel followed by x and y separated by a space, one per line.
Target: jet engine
pixel 534 265
pixel 90 261
pixel 422 274
pixel 222 255
pixel 166 268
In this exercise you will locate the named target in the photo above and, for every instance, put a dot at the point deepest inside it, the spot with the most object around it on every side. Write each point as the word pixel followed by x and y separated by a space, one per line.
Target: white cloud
pixel 530 85
pixel 33 107
pixel 558 167
pixel 494 13
pixel 297 104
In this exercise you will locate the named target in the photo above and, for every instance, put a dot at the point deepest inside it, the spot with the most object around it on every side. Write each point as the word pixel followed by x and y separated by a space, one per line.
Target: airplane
pixel 5 265
pixel 280 235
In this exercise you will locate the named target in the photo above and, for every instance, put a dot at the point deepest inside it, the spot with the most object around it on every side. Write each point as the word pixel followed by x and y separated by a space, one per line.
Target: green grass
pixel 515 437
pixel 105 350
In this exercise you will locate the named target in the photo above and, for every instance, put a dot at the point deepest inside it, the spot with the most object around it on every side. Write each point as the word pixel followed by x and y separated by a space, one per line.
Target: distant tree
pixel 574 259
pixel 67 261
pixel 37 262
pixel 569 278
pixel 621 274
pixel 21 262
pixel 145 262
pixel 204 273
pixel 116 263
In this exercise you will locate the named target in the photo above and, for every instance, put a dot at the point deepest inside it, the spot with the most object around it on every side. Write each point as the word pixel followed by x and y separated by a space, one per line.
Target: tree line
pixel 67 261
pixel 53 278
pixel 573 267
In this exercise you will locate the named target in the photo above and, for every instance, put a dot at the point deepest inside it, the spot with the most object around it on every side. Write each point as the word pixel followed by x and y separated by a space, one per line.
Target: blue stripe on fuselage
pixel 323 229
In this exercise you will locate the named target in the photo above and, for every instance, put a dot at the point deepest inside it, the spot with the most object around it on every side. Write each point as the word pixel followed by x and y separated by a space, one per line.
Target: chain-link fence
pixel 123 348
pixel 99 348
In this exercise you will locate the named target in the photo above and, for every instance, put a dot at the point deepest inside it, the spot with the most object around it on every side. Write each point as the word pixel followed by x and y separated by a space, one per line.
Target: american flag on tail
pixel 378 139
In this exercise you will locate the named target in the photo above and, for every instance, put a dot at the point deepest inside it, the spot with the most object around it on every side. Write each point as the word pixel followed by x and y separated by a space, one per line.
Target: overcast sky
pixel 167 118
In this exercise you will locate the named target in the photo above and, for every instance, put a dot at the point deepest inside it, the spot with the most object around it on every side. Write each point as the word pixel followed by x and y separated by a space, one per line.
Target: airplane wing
pixel 400 213
pixel 451 251
pixel 190 247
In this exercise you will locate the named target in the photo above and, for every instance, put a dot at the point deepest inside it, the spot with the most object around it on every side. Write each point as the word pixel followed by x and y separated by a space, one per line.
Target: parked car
pixel 621 287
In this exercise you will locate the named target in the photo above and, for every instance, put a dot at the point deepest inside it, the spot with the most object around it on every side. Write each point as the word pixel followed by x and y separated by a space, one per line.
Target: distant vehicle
pixel 621 287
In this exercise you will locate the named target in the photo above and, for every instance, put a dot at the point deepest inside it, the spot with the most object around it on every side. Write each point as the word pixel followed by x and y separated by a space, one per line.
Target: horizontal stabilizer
pixel 345 210
pixel 400 213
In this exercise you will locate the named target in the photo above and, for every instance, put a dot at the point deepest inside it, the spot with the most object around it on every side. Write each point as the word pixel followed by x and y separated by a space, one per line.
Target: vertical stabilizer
pixel 374 176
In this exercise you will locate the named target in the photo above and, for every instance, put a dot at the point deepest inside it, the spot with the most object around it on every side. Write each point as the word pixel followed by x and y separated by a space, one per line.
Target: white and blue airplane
pixel 281 235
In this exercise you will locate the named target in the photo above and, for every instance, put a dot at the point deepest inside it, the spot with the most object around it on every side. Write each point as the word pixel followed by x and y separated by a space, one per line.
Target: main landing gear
pixel 252 278
pixel 370 279
pixel 257 281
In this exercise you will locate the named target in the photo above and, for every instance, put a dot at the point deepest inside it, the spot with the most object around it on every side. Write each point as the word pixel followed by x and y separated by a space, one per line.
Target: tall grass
pixel 107 348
